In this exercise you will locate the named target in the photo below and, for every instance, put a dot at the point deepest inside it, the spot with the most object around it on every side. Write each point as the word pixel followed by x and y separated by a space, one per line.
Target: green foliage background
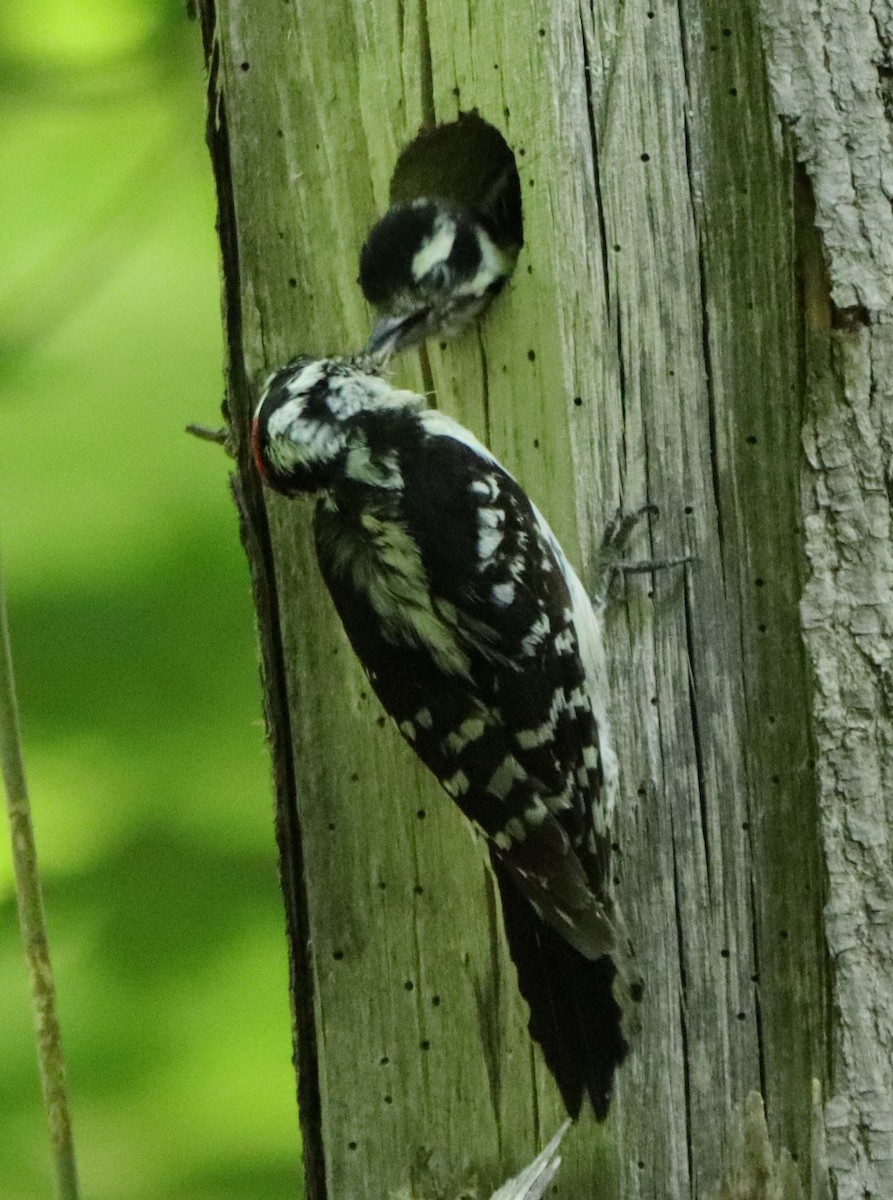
pixel 132 629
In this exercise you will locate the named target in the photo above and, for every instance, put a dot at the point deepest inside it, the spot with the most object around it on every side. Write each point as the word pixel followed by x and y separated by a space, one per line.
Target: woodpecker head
pixel 316 423
pixel 429 269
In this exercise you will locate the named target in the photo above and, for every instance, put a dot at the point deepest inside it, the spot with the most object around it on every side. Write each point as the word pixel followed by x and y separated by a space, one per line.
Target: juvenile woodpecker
pixel 482 644
pixel 450 239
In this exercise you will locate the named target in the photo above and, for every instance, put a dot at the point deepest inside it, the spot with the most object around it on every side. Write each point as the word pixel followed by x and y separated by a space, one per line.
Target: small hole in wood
pixel 724 953
pixel 425 1045
pixel 759 582
pixel 645 157
pixel 742 1016
pixel 383 1062
pixel 338 955
pixel 421 814
pixel 751 439
pixel 435 1002
pixel 408 986
pixel 418 889
pixel 389 1099
pixel 578 401
pixel 245 66
pixel 351 1145
pixel 531 355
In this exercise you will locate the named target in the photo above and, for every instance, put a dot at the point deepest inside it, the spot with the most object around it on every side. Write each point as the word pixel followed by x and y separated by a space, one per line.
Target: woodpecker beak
pixel 395 333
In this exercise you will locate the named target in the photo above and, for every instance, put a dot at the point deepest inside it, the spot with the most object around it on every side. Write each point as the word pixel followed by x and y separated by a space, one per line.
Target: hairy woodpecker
pixel 450 239
pixel 482 644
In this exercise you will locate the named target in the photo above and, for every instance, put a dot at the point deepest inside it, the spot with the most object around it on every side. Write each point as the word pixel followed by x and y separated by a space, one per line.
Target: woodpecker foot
pixel 220 437
pixel 611 564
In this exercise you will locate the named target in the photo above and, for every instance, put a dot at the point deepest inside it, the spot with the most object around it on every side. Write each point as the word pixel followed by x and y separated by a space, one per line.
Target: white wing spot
pixel 538 631
pixel 469 731
pixel 456 785
pixel 503 593
pixel 536 812
pixel 507 773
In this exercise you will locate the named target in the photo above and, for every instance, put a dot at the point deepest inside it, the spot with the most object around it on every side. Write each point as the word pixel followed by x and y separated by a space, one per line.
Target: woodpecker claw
pixel 610 561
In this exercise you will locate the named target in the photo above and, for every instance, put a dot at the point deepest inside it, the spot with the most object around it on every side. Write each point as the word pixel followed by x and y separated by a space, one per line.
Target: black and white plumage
pixel 449 241
pixel 482 644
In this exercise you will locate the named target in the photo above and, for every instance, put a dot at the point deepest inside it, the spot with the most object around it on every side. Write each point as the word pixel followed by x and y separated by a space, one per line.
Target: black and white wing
pixel 475 634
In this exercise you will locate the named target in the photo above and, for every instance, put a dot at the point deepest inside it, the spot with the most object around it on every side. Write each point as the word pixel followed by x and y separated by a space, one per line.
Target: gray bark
pixel 700 318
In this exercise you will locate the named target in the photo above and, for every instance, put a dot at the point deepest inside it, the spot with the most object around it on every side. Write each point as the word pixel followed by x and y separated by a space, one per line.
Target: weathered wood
pixel 667 337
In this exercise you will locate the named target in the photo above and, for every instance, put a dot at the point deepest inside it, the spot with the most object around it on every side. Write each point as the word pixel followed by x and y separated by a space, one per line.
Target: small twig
pixel 33 926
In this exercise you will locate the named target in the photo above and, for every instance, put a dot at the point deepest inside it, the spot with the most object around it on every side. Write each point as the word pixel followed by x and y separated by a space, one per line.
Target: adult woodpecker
pixel 482 644
pixel 450 239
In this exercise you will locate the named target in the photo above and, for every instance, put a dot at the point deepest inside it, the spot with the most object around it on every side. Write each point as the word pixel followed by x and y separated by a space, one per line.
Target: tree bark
pixel 700 318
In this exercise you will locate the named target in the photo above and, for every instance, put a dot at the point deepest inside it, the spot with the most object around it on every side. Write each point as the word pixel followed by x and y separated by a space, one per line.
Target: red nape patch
pixel 255 450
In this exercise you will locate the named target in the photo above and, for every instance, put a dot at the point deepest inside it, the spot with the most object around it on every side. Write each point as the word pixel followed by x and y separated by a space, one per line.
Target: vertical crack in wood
pixel 593 137
pixel 602 228
pixel 758 1015
pixel 488 995
pixel 702 292
pixel 703 798
pixel 426 68
pixel 683 1015
pixel 255 535
pixel 485 388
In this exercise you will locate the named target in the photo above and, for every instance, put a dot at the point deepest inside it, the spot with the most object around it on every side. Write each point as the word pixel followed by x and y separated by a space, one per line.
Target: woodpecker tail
pixel 575 1016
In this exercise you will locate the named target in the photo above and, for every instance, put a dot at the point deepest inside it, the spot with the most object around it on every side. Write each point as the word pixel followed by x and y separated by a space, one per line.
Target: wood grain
pixel 666 338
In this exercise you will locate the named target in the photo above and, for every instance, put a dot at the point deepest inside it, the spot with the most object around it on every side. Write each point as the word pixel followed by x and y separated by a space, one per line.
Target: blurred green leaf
pixel 133 630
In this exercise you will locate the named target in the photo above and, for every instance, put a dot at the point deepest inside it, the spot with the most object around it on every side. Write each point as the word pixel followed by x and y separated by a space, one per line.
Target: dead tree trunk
pixel 701 319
